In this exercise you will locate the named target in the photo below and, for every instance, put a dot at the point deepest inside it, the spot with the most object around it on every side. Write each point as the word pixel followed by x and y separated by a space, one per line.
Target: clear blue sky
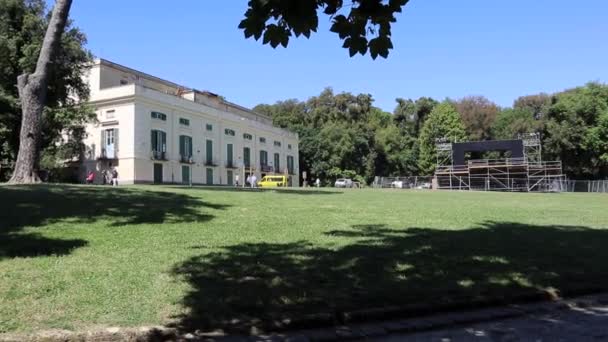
pixel 443 48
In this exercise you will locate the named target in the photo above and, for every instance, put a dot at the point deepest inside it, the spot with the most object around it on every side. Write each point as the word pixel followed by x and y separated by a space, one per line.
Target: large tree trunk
pixel 32 92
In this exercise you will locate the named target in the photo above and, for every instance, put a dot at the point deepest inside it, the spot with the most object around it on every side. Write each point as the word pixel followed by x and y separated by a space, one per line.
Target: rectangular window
pixel 209 127
pixel 247 156
pixel 290 165
pixel 184 122
pixel 263 158
pixel 209 152
pixel 277 143
pixel 159 144
pixel 109 143
pixel 277 163
pixel 110 114
pixel 247 136
pixel 159 116
pixel 229 161
pixel 289 146
pixel 230 132
pixel 185 148
pixel 262 140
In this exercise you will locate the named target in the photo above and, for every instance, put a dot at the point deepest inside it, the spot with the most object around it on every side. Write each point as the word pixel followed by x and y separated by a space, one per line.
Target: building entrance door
pixel 158 173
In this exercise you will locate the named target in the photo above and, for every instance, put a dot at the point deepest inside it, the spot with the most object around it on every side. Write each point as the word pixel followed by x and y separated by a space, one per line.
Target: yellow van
pixel 273 182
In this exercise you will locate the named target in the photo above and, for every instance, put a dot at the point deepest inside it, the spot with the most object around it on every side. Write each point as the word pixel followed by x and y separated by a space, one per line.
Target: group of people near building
pixel 107 177
pixel 252 181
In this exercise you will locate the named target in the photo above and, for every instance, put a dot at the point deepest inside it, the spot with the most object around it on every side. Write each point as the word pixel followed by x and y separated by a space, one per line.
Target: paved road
pixel 575 324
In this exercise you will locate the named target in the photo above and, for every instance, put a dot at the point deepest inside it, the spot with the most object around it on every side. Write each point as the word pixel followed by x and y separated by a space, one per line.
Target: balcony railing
pixel 210 162
pixel 108 155
pixel 158 155
pixel 231 165
pixel 186 159
pixel 266 168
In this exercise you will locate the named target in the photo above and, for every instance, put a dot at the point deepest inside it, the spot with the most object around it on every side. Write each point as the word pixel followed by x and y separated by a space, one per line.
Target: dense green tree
pixel 410 115
pixel 510 122
pixel 338 133
pixel 478 114
pixel 537 104
pixel 597 140
pixel 22 30
pixel 570 121
pixel 444 122
pixel 363 25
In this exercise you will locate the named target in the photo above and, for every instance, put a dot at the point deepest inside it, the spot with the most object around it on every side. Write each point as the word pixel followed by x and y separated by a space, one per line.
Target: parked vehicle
pixel 424 186
pixel 397 184
pixel 343 183
pixel 273 182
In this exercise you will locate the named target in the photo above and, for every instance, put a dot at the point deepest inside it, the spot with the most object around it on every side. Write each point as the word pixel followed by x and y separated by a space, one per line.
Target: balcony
pixel 210 162
pixel 231 165
pixel 158 155
pixel 266 168
pixel 108 154
pixel 185 159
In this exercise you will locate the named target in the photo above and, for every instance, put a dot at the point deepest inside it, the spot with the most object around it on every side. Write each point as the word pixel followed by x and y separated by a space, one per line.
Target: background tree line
pixel 345 135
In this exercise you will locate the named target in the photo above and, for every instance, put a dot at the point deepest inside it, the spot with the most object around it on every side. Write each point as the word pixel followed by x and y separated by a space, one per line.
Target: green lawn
pixel 76 257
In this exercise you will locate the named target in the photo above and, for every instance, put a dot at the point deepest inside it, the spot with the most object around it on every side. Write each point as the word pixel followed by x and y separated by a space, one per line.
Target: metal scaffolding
pixel 526 174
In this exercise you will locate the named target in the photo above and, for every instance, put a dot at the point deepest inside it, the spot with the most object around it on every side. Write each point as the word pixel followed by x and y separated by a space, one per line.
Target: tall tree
pixel 32 93
pixel 22 29
pixel 478 114
pixel 444 122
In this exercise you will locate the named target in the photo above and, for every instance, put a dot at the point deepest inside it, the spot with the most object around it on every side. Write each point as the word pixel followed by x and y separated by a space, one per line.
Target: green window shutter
pixel 164 141
pixel 182 142
pixel 229 152
pixel 209 151
pixel 116 141
pixel 190 146
pixel 246 156
pixel 103 140
pixel 153 140
pixel 277 162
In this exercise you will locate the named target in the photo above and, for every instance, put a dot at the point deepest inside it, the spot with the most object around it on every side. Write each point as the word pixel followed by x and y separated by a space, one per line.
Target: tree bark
pixel 32 92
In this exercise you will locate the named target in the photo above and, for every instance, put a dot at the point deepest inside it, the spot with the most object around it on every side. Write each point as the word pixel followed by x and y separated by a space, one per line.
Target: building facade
pixel 156 131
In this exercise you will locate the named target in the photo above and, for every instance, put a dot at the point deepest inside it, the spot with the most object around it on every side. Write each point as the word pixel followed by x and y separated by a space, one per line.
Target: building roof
pixel 181 88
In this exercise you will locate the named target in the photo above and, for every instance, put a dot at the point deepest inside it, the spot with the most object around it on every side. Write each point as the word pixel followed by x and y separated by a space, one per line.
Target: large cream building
pixel 156 131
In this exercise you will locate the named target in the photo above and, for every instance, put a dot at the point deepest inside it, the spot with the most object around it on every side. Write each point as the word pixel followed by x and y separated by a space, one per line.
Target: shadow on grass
pixel 37 206
pixel 266 284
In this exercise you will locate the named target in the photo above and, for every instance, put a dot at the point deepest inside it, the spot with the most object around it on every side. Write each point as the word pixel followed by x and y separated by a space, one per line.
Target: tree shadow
pixel 268 285
pixel 37 206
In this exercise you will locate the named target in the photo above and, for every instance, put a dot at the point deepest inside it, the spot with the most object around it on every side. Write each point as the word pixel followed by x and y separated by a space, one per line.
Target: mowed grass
pixel 77 257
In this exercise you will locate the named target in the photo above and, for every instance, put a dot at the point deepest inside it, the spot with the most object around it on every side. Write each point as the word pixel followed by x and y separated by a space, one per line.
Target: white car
pixel 343 183
pixel 424 186
pixel 397 184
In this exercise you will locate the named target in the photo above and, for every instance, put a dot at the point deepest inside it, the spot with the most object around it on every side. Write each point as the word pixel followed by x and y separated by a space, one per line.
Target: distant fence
pixel 583 186
pixel 412 182
pixel 555 185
